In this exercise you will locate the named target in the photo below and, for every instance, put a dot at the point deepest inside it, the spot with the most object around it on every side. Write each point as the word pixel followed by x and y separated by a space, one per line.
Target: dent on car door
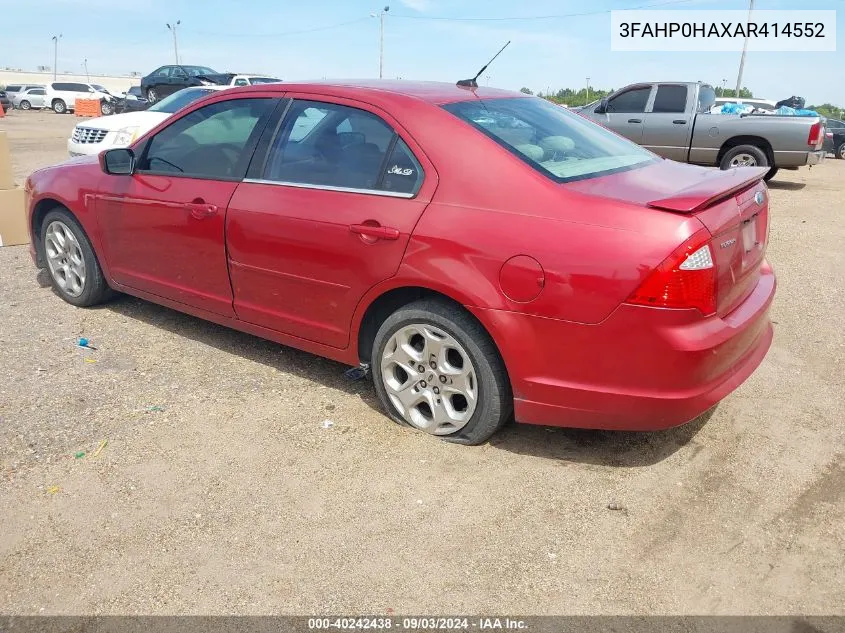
pixel 325 218
pixel 163 226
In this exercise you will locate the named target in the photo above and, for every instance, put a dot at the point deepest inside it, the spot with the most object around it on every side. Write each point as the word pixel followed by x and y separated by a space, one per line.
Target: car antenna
pixel 472 83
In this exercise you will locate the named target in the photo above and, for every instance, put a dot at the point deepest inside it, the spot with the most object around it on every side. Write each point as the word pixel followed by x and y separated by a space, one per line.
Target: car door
pixel 35 96
pixel 666 125
pixel 325 217
pixel 626 112
pixel 178 79
pixel 163 226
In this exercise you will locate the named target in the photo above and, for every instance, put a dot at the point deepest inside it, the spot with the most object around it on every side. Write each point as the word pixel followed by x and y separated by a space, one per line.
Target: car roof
pixel 433 92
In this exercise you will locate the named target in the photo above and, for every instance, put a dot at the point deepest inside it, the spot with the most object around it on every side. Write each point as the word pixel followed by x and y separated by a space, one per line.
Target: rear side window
pixel 36 91
pixel 403 173
pixel 556 142
pixel 670 99
pixel 633 100
pixel 215 141
pixel 13 88
pixel 707 99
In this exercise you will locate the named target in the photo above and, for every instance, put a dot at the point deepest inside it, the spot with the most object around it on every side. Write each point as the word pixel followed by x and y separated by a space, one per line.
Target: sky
pixel 423 39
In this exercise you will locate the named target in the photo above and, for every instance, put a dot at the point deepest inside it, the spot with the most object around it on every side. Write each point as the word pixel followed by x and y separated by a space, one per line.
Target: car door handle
pixel 679 122
pixel 635 120
pixel 201 210
pixel 377 232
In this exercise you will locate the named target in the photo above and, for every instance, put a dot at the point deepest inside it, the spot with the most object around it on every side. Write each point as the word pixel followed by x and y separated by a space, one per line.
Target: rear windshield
pixel 179 100
pixel 562 145
pixel 263 80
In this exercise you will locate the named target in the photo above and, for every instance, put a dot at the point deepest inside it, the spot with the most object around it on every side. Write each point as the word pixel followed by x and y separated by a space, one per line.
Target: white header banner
pixel 721 31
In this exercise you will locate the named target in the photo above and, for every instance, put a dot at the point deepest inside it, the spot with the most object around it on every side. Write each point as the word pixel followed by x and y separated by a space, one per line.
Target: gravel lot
pixel 219 490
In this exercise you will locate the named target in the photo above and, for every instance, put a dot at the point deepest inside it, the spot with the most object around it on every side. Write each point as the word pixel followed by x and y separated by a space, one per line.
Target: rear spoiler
pixel 715 187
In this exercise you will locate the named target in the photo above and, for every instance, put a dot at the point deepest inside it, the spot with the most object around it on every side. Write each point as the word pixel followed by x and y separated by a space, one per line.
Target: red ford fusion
pixel 486 255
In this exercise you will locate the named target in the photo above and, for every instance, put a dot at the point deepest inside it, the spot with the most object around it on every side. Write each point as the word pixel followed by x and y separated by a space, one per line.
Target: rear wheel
pixel 840 151
pixel 744 156
pixel 74 270
pixel 436 369
pixel 152 95
pixel 25 105
pixel 772 173
pixel 59 106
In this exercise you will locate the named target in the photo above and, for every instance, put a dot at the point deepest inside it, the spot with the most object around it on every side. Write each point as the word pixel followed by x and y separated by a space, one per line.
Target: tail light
pixel 816 136
pixel 685 279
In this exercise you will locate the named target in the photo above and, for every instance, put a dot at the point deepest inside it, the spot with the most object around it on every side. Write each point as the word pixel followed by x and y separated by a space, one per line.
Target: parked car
pixel 13 89
pixel 835 138
pixel 62 95
pixel 674 120
pixel 30 99
pixel 251 80
pixel 166 80
pixel 343 221
pixel 5 102
pixel 91 136
pixel 764 105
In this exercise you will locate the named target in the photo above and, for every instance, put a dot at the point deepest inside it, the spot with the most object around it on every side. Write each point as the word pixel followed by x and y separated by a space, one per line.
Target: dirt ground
pixel 220 491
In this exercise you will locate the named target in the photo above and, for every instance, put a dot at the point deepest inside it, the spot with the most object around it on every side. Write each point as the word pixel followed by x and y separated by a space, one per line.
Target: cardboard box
pixel 7 181
pixel 13 229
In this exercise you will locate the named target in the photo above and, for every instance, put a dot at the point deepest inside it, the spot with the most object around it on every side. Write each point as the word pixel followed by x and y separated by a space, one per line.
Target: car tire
pixel 71 262
pixel 24 105
pixel 106 109
pixel 771 174
pixel 59 106
pixel 744 155
pixel 152 96
pixel 465 398
pixel 840 151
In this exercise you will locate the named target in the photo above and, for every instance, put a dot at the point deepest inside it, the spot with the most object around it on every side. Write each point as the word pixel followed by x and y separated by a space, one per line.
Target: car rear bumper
pixel 799 159
pixel 642 369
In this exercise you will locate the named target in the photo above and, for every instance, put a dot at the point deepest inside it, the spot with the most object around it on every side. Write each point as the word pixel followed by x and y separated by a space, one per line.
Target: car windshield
pixel 199 70
pixel 562 145
pixel 263 80
pixel 99 88
pixel 179 100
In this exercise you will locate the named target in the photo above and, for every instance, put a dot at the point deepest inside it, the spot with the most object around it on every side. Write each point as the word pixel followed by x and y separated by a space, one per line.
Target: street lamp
pixel 588 90
pixel 381 40
pixel 175 45
pixel 56 39
pixel 87 76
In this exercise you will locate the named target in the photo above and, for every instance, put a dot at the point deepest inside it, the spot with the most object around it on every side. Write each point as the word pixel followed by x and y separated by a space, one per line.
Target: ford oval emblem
pixel 759 198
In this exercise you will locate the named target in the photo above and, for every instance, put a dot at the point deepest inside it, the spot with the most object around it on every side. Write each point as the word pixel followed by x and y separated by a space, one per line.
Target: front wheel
pixel 25 105
pixel 59 106
pixel 74 270
pixel 744 156
pixel 106 108
pixel 436 369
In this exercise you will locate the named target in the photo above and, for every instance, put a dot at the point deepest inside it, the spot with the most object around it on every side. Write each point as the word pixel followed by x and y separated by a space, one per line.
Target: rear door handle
pixel 377 232
pixel 635 120
pixel 201 210
pixel 679 122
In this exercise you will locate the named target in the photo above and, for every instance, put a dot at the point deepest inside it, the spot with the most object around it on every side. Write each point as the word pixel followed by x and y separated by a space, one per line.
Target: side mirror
pixel 601 108
pixel 118 162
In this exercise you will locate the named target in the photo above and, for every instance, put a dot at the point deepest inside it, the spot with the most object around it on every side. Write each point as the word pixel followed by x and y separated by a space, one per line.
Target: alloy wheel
pixel 743 160
pixel 64 258
pixel 429 378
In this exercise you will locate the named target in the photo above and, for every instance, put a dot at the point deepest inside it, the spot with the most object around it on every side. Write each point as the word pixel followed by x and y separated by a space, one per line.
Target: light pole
pixel 381 40
pixel 87 76
pixel 588 90
pixel 56 39
pixel 175 45
pixel 744 49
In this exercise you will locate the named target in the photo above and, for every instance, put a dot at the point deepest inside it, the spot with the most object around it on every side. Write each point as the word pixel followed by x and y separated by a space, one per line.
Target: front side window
pixel 332 145
pixel 211 142
pixel 179 100
pixel 560 144
pixel 630 101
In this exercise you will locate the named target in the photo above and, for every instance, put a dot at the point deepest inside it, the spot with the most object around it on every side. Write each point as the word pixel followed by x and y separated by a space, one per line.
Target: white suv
pixel 61 95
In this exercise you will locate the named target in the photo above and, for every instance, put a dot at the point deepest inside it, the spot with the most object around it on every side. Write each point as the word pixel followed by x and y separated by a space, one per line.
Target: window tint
pixel 36 91
pixel 164 71
pixel 670 99
pixel 179 100
pixel 334 146
pixel 211 142
pixel 61 86
pixel 403 173
pixel 78 87
pixel 706 98
pixel 556 142
pixel 13 88
pixel 240 81
pixel 630 101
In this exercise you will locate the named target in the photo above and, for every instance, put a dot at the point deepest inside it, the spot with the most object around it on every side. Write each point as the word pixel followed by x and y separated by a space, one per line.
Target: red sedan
pixel 486 254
